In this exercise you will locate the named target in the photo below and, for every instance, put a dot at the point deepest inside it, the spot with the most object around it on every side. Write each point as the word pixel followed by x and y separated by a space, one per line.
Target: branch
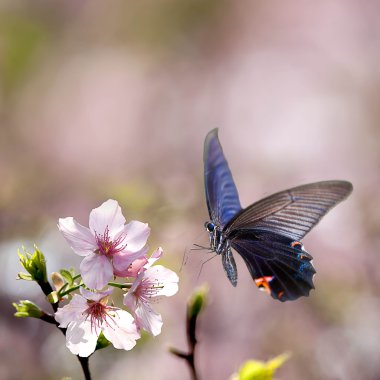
pixel 195 305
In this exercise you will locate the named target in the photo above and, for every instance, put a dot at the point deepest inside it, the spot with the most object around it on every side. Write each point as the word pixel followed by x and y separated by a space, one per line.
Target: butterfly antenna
pixel 200 270
pixel 184 259
pixel 199 248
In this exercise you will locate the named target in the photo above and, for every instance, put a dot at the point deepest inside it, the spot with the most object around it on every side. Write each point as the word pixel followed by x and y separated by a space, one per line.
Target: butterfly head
pixel 215 236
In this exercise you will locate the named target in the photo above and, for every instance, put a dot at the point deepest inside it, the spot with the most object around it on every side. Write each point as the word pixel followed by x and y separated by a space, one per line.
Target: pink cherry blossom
pixel 152 283
pixel 134 269
pixel 109 245
pixel 87 315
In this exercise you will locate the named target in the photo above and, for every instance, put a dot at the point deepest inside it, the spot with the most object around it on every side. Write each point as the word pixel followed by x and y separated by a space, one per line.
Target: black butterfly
pixel 266 234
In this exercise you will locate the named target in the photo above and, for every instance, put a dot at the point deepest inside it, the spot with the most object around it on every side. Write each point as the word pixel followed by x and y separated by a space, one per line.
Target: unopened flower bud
pixel 57 281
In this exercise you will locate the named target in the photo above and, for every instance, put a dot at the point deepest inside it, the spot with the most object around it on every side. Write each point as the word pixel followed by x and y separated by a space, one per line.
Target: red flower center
pixel 107 246
pixel 98 313
pixel 147 289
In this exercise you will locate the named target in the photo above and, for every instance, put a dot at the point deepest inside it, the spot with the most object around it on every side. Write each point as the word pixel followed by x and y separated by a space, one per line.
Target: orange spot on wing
pixel 297 244
pixel 263 283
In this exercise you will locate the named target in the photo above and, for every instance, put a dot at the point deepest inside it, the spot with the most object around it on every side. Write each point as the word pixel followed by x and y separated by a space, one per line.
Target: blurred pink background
pixel 113 99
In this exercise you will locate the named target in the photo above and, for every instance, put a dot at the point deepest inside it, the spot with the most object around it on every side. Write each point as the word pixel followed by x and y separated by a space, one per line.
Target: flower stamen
pixel 148 289
pixel 108 247
pixel 100 314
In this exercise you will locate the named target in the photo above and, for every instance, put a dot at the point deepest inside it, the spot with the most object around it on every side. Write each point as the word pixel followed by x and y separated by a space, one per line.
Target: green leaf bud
pixel 24 276
pixel 34 264
pixel 27 309
pixel 67 276
pixel 197 302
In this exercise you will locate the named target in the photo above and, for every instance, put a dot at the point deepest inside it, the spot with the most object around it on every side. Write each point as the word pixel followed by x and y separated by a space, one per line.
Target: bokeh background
pixel 113 99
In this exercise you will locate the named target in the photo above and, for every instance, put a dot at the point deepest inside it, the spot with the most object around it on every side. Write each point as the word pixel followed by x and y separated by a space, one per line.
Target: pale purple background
pixel 113 99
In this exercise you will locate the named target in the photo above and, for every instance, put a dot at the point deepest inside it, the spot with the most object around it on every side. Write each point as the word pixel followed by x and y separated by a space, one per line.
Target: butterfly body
pixel 266 234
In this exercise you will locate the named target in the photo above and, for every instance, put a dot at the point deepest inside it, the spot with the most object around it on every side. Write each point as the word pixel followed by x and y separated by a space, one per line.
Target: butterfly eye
pixel 209 226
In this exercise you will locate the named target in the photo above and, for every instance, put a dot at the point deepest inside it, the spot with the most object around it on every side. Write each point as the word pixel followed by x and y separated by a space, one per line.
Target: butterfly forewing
pixel 221 193
pixel 293 212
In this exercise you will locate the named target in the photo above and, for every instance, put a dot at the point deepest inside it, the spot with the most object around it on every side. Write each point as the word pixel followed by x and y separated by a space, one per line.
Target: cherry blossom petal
pixel 73 311
pixel 122 260
pixel 148 319
pixel 81 338
pixel 92 296
pixel 156 255
pixel 130 300
pixel 166 279
pixel 132 270
pixel 123 333
pixel 137 234
pixel 96 271
pixel 80 238
pixel 107 216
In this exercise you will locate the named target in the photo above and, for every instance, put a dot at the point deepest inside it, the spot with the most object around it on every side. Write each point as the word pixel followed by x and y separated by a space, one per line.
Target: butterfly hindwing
pixel 276 263
pixel 221 193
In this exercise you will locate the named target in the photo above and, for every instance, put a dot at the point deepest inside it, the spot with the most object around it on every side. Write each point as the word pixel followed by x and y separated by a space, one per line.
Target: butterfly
pixel 268 233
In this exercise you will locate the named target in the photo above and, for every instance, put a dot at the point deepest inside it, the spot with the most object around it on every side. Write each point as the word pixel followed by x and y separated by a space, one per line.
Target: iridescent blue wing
pixel 291 213
pixel 221 194
pixel 277 264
